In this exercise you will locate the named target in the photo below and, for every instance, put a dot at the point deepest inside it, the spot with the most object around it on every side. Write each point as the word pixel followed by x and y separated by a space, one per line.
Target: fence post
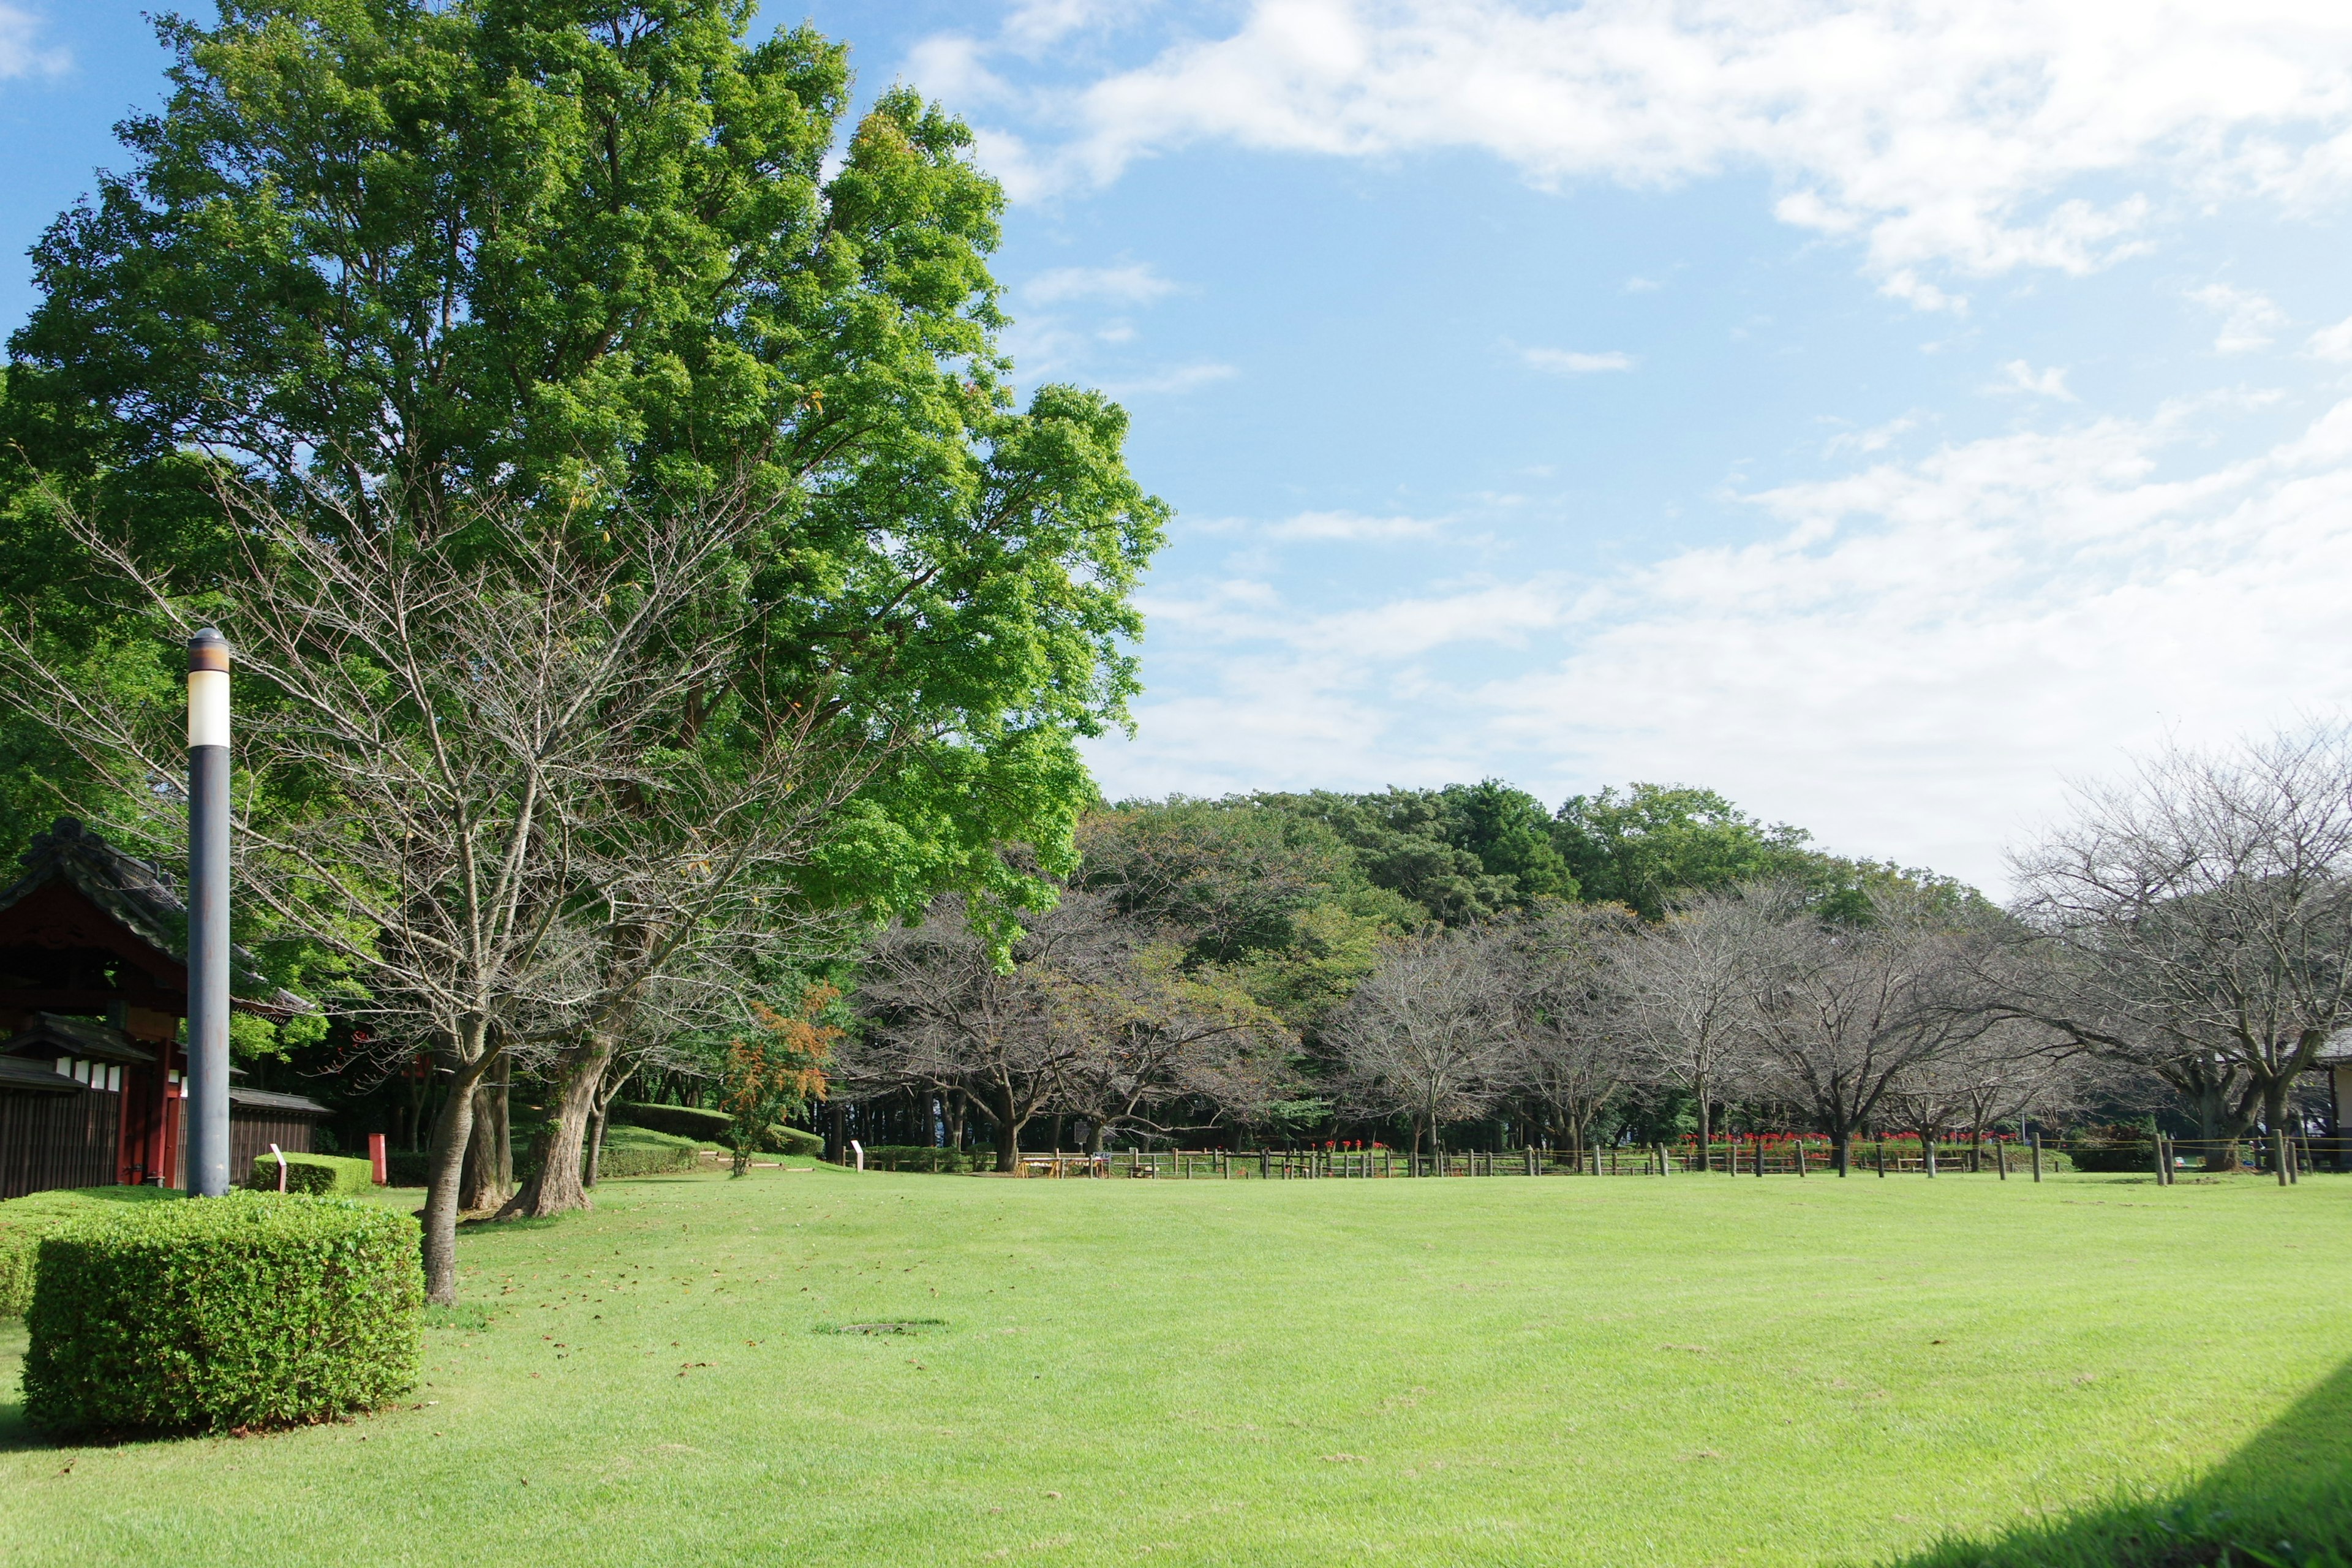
pixel 1800 1157
pixel 2278 1154
pixel 2034 1140
pixel 1999 1158
pixel 2160 1161
pixel 1879 1147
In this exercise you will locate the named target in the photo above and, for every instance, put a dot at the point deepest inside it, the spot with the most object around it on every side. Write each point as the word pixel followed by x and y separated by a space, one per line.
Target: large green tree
pixel 412 265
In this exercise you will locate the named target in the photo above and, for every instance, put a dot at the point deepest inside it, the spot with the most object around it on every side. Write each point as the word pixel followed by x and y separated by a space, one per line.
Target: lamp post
pixel 208 944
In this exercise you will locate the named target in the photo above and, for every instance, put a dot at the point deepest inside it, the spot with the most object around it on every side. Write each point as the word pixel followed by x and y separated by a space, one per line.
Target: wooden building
pixel 93 986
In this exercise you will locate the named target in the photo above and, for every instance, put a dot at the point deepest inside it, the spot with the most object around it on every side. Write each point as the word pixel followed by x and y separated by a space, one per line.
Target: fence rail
pixel 2027 1160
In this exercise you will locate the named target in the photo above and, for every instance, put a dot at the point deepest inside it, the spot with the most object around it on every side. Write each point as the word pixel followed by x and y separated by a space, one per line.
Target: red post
pixel 375 1158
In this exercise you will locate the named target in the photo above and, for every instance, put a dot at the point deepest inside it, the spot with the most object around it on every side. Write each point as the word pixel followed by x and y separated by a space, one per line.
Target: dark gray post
pixel 2034 1138
pixel 208 946
pixel 1882 1156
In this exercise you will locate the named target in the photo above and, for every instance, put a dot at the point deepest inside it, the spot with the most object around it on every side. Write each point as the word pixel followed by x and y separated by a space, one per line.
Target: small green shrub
pixel 247 1310
pixel 318 1176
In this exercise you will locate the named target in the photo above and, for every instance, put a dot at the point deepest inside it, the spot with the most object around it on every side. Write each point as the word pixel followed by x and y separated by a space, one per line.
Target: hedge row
pixel 619 1160
pixel 318 1176
pixel 248 1310
pixel 712 1127
pixel 656 1159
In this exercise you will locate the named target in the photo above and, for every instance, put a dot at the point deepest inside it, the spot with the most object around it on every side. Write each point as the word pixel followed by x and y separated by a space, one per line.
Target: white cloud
pixel 1910 658
pixel 21 53
pixel 1877 438
pixel 2248 320
pixel 1568 363
pixel 1182 378
pixel 1349 527
pixel 1134 284
pixel 2018 377
pixel 1981 135
pixel 2332 342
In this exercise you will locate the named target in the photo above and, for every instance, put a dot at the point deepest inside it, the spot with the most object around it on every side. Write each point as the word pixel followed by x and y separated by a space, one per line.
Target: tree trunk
pixel 490 1151
pixel 557 1188
pixel 1008 1145
pixel 600 1117
pixel 1705 1126
pixel 452 1130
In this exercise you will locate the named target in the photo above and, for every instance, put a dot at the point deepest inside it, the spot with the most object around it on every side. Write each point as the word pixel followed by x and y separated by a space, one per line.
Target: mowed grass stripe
pixel 1693 1369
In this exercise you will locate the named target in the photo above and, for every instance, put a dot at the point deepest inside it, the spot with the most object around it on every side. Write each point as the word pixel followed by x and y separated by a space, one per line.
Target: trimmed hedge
pixel 318 1176
pixel 23 1221
pixel 783 1139
pixel 683 1121
pixel 712 1127
pixel 637 1160
pixel 243 1311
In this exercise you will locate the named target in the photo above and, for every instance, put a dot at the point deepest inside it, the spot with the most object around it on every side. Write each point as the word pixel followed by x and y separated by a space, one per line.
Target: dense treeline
pixel 1420 965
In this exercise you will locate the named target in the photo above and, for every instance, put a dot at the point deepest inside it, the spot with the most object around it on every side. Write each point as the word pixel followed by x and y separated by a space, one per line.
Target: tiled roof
pixel 138 894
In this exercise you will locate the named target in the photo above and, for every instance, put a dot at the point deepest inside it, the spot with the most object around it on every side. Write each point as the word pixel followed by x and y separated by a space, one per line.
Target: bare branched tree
pixel 1149 1044
pixel 2200 919
pixel 1690 984
pixel 1428 1035
pixel 1842 1014
pixel 1571 1050
pixel 496 774
pixel 944 1015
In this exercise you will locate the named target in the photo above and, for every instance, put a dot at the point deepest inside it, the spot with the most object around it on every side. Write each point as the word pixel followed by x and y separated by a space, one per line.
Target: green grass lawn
pixel 1695 1370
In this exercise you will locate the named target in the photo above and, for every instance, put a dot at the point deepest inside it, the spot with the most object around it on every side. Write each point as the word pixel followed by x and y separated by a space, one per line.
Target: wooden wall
pixel 57 1141
pixel 251 1132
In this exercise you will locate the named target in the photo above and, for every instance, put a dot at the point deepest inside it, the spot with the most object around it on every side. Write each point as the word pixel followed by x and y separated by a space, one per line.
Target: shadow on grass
pixel 2283 1498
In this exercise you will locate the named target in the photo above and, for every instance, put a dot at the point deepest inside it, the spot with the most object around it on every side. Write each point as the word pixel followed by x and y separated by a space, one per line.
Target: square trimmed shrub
pixel 247 1310
pixel 318 1176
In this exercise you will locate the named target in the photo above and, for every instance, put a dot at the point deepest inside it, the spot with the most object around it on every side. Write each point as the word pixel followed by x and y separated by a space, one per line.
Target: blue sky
pixel 1882 414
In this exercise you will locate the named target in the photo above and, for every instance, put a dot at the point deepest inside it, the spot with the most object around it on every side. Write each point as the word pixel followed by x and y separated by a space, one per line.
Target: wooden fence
pixel 2288 1159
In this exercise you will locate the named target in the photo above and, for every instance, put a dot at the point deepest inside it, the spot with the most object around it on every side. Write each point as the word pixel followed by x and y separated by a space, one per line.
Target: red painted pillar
pixel 375 1159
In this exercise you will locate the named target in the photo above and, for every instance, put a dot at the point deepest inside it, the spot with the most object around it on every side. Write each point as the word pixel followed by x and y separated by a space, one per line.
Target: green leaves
pixel 406 264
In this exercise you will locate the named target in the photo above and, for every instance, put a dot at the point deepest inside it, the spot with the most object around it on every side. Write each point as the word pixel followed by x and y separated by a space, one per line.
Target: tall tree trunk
pixel 452 1130
pixel 557 1188
pixel 1706 1125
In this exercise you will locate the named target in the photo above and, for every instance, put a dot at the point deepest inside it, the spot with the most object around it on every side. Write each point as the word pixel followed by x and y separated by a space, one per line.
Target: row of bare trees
pixel 2186 937
pixel 1093 1017
pixel 2190 930
pixel 1747 996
